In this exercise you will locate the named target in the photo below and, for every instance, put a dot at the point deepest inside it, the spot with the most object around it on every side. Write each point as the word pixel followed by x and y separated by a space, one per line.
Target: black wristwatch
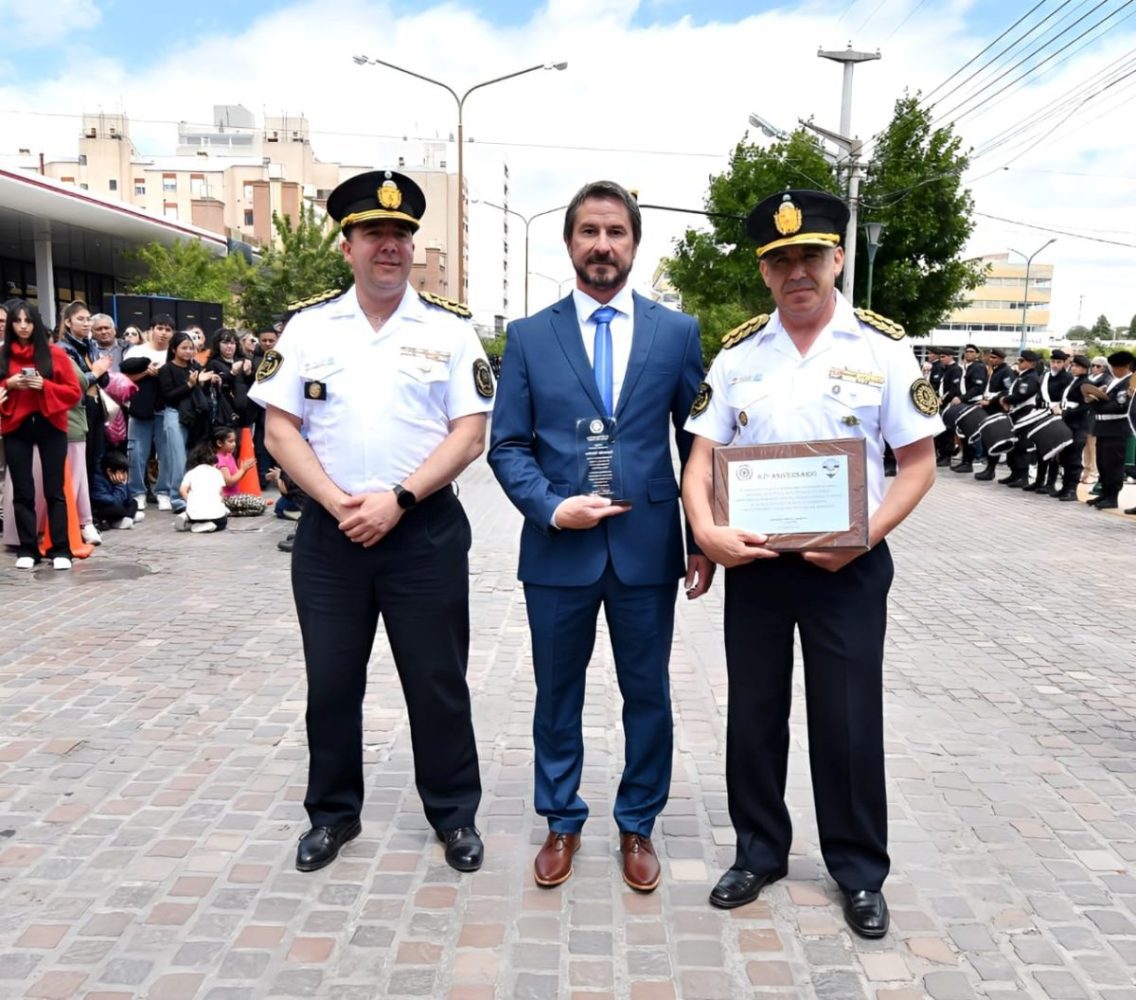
pixel 405 498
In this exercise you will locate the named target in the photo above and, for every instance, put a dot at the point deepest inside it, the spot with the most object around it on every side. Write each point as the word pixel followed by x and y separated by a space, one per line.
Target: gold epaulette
pixel 881 323
pixel 746 330
pixel 448 304
pixel 314 300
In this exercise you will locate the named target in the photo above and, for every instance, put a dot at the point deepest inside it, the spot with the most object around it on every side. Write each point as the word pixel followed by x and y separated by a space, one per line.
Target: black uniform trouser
pixel 417 578
pixel 19 447
pixel 842 618
pixel 1110 458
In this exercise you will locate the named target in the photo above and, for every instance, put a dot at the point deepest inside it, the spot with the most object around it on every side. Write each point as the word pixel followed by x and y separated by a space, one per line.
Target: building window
pixel 248 217
pixel 112 184
pixel 170 209
pixel 248 192
pixel 169 183
pixel 82 159
pixel 66 180
pixel 197 185
pixel 140 186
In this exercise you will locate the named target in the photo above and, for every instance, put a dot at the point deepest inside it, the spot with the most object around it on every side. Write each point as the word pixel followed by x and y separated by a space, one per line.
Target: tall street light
pixel 873 231
pixel 460 101
pixel 527 220
pixel 1025 296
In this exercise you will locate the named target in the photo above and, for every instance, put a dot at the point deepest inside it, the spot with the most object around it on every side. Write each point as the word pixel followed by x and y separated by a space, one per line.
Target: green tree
pixel 1132 327
pixel 187 269
pixel 1078 332
pixel 306 261
pixel 715 270
pixel 1102 328
pixel 914 187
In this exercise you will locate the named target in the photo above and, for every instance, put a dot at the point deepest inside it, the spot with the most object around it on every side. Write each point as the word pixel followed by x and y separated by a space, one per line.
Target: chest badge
pixel 483 378
pixel 850 420
pixel 743 419
pixel 315 390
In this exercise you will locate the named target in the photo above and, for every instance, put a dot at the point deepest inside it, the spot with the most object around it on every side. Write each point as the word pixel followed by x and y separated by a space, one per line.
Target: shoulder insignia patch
pixel 881 323
pixel 483 378
pixel 269 366
pixel 701 400
pixel 924 397
pixel 747 329
pixel 448 304
pixel 314 300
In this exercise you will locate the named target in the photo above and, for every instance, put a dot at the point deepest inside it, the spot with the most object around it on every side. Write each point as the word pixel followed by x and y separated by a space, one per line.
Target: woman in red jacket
pixel 41 388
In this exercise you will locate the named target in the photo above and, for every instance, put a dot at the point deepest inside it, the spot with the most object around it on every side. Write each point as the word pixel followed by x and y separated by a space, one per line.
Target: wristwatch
pixel 405 498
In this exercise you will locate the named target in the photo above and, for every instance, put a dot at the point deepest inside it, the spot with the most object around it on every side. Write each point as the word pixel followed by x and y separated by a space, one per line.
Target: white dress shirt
pixel 622 328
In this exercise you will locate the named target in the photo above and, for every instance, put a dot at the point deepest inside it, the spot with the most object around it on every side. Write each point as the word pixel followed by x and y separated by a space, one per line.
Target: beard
pixel 615 277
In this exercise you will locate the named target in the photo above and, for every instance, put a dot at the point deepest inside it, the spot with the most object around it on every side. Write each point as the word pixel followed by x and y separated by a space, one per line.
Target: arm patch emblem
pixel 483 378
pixel 701 400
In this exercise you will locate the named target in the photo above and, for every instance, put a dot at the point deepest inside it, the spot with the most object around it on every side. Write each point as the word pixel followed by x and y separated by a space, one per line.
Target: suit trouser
pixel 842 618
pixel 417 579
pixel 35 432
pixel 563 624
pixel 1110 461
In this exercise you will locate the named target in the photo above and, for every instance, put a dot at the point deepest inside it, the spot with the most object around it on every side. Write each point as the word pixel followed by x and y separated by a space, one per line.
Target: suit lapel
pixel 567 330
pixel 642 337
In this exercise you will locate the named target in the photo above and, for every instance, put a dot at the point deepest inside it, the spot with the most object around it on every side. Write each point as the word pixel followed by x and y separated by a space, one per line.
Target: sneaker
pixel 25 562
pixel 125 524
pixel 61 562
pixel 164 502
pixel 140 499
pixel 181 522
pixel 203 528
pixel 292 515
pixel 139 516
pixel 90 535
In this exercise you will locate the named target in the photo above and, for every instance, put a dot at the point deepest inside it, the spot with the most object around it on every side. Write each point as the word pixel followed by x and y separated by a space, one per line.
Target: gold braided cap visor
pixel 815 239
pixel 377 213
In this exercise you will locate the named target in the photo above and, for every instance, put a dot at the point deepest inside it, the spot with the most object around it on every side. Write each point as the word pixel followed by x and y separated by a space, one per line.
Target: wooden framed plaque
pixel 802 494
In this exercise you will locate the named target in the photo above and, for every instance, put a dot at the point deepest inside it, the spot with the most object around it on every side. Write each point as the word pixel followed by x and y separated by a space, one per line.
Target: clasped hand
pixel 368 517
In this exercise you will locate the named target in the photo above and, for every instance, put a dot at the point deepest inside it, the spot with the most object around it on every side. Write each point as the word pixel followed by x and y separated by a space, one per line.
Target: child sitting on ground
pixel 239 504
pixel 111 502
pixel 201 490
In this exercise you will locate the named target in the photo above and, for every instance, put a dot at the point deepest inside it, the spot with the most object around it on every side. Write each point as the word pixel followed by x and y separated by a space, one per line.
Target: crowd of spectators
pixel 107 424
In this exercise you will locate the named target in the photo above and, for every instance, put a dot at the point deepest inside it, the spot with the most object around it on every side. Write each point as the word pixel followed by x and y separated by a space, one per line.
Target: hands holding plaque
pixel 600 476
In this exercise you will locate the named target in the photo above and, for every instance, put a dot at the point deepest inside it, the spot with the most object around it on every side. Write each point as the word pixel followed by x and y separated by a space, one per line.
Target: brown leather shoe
pixel 553 863
pixel 640 866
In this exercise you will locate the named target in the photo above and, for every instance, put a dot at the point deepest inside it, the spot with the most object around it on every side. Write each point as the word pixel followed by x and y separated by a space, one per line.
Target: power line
pixel 875 11
pixel 1059 232
pixel 910 14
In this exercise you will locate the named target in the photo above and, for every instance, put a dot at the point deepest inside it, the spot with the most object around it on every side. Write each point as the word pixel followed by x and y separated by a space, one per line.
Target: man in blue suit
pixel 579 376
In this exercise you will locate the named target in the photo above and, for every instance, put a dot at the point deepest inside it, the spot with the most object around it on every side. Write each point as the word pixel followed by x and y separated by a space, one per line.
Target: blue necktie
pixel 601 355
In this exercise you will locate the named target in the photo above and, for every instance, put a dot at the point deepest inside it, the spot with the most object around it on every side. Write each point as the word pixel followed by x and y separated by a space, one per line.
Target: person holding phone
pixel 599 374
pixel 41 386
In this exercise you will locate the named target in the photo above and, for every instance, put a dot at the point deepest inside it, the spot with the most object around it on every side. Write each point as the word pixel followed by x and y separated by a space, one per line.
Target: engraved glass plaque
pixel 597 452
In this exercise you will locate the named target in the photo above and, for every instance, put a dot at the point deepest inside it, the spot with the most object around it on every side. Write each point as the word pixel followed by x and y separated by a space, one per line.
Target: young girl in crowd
pixel 201 491
pixel 41 387
pixel 238 504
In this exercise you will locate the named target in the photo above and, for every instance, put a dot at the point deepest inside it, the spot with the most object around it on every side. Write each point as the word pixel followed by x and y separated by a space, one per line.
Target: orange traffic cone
pixel 250 481
pixel 79 548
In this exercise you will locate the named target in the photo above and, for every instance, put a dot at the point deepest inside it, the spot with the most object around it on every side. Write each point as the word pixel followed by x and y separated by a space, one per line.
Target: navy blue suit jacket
pixel 546 385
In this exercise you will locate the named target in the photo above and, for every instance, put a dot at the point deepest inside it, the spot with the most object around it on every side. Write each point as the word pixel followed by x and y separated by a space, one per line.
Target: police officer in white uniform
pixel 814 370
pixel 376 401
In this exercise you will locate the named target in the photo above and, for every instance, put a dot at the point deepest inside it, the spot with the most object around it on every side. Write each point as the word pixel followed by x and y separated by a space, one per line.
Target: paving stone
pixel 947 986
pixel 1060 985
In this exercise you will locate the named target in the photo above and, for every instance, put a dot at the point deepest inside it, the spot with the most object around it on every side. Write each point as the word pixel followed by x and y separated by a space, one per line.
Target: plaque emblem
pixel 269 366
pixel 483 378
pixel 787 219
pixel 596 426
pixel 924 397
pixel 701 400
pixel 389 195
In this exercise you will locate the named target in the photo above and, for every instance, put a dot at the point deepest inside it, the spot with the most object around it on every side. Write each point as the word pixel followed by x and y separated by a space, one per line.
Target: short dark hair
pixel 1121 358
pixel 115 461
pixel 609 190
pixel 971 347
pixel 162 319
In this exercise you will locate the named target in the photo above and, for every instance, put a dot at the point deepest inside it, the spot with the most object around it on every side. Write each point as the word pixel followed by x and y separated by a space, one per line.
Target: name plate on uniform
pixel 802 494
pixel 597 453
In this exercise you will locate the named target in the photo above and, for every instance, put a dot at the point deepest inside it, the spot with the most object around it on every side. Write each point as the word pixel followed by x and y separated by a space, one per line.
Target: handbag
pixel 110 407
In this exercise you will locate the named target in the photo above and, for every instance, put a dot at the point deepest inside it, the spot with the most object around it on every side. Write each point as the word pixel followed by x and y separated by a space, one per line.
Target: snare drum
pixel 970 422
pixel 997 434
pixel 952 413
pixel 1050 436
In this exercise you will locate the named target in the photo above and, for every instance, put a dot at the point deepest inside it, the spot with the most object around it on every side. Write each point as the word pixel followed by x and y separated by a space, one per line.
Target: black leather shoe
pixel 866 912
pixel 1015 482
pixel 962 467
pixel 464 850
pixel 738 887
pixel 986 474
pixel 1067 495
pixel 1107 505
pixel 320 845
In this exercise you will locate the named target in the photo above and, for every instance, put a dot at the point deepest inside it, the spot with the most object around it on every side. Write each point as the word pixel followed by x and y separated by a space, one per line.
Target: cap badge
pixel 390 196
pixel 787 219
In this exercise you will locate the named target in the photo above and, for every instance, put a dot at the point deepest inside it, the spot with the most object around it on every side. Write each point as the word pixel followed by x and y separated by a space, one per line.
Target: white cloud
pixel 47 22
pixel 676 87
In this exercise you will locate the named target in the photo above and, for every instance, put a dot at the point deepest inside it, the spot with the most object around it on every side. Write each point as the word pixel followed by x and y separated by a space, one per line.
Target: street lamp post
pixel 1025 295
pixel 558 282
pixel 527 220
pixel 460 101
pixel 873 231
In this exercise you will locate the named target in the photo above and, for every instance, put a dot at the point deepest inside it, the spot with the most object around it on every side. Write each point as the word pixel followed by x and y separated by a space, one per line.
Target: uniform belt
pixel 1111 416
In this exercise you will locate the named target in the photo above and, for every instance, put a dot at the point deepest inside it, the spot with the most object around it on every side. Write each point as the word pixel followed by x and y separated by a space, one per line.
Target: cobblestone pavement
pixel 152 765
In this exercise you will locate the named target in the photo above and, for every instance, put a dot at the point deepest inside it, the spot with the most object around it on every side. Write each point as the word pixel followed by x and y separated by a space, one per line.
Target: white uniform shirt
pixel 622 330
pixel 854 382
pixel 384 400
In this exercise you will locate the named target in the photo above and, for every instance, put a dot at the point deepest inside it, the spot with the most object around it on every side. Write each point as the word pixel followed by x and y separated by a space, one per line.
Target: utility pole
pixel 849 57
